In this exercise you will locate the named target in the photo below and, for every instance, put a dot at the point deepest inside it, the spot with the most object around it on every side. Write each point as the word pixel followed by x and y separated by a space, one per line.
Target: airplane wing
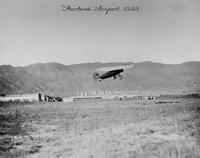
pixel 107 69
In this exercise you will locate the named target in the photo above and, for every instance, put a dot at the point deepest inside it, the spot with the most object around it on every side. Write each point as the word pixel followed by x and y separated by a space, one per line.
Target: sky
pixel 39 31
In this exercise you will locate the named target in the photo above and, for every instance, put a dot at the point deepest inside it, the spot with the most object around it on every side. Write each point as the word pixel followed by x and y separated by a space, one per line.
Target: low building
pixel 33 97
pixel 22 97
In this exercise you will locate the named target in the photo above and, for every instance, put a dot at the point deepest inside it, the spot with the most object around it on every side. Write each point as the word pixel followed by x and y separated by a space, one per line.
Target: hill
pixel 66 80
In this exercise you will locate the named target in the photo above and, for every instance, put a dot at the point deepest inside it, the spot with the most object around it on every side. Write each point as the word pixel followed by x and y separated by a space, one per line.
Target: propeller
pixel 96 76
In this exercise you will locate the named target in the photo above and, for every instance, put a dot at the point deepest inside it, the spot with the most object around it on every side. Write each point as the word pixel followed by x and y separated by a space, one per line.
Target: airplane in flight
pixel 108 72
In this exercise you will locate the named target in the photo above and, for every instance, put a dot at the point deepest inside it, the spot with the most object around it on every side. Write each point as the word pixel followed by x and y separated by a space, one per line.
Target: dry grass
pixel 102 129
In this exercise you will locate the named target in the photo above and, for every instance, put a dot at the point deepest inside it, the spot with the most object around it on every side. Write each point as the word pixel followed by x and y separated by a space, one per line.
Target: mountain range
pixel 66 80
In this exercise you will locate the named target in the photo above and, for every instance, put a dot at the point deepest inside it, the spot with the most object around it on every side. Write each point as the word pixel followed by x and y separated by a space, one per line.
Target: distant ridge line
pixel 64 80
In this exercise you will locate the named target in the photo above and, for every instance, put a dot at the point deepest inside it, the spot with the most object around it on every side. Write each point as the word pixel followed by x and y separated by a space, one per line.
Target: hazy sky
pixel 33 31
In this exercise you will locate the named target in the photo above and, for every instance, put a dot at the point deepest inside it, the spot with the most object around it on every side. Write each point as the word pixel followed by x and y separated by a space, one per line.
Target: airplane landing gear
pixel 120 77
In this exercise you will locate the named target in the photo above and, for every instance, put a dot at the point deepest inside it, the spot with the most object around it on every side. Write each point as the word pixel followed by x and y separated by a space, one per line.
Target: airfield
pixel 166 127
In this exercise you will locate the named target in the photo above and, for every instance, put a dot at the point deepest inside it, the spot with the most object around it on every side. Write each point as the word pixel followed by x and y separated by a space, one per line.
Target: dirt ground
pixel 102 129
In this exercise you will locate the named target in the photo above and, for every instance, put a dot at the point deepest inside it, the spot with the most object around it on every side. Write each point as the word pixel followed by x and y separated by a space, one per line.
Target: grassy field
pixel 102 129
